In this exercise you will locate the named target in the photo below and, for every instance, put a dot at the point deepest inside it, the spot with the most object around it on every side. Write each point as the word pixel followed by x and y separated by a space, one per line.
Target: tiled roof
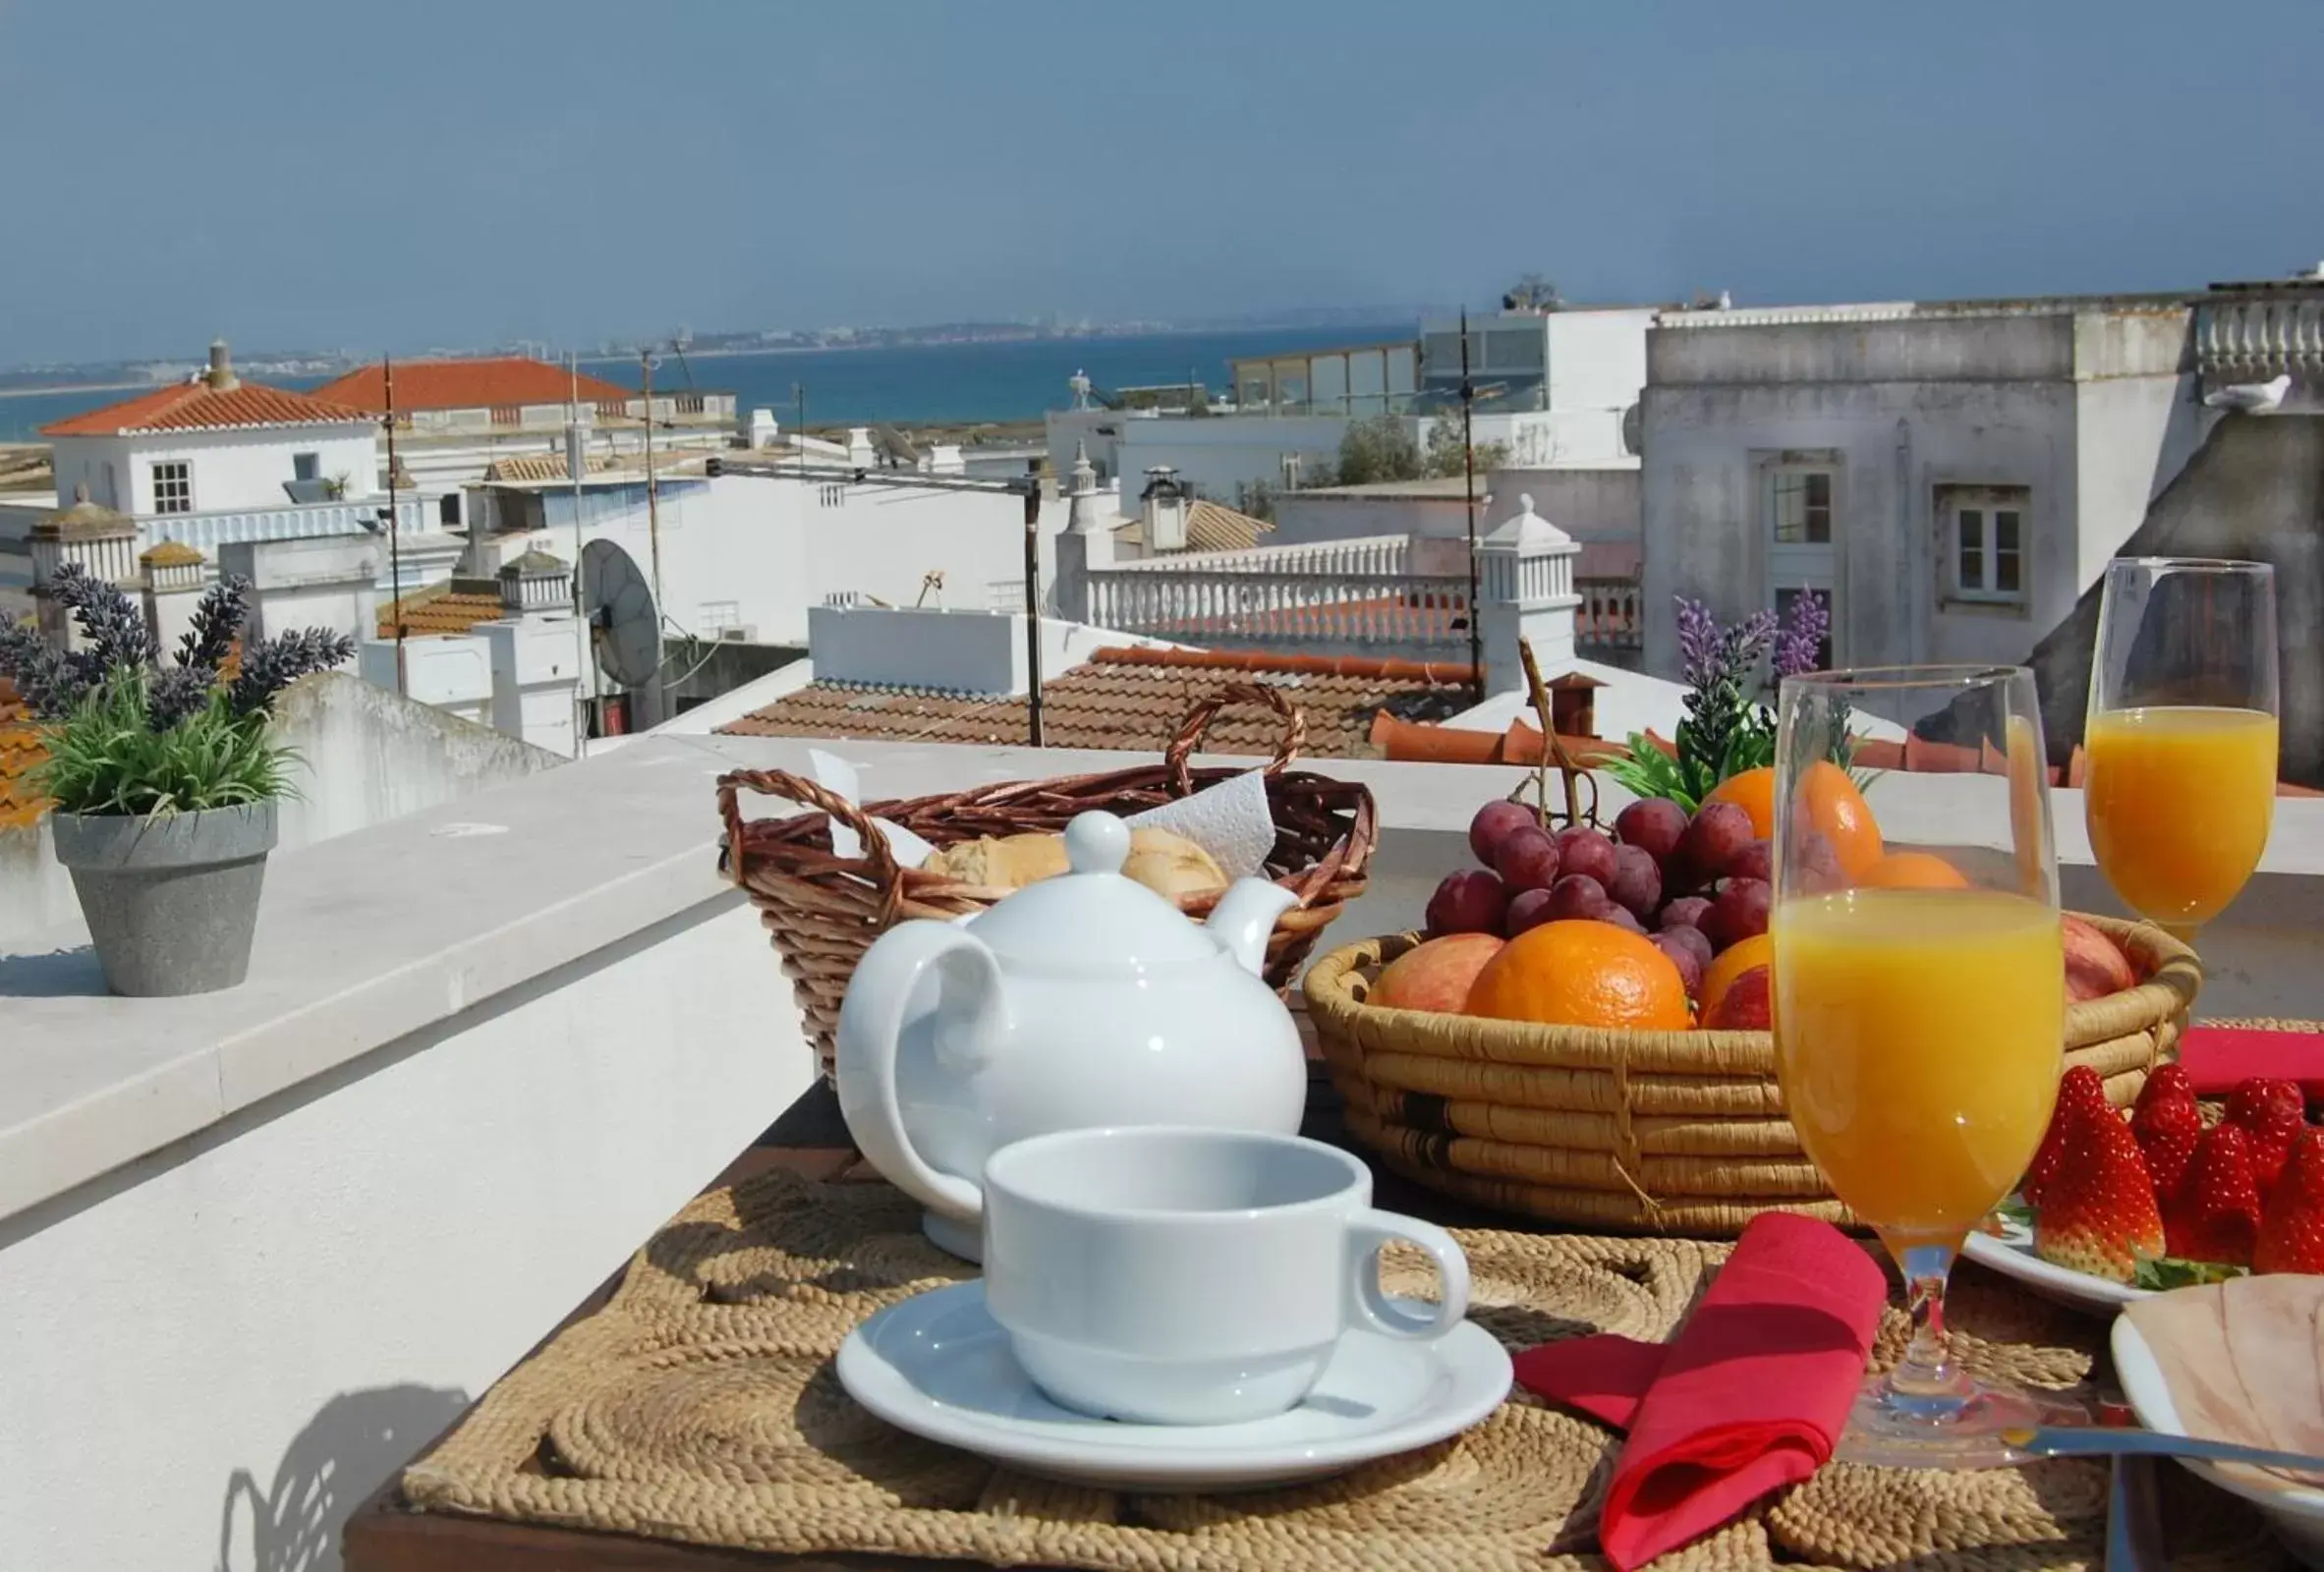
pixel 1208 528
pixel 198 406
pixel 20 751
pixel 1133 699
pixel 171 554
pixel 441 610
pixel 543 466
pixel 469 385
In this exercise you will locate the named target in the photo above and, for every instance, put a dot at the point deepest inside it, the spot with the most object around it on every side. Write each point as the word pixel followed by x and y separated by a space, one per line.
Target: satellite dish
pixel 1633 430
pixel 625 630
pixel 895 447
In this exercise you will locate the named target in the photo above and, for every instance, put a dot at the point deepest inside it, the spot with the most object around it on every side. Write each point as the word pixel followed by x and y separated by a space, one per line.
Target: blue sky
pixel 435 172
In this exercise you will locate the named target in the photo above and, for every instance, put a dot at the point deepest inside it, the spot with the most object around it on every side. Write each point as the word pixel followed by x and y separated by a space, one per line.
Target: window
pixel 305 466
pixel 173 487
pixel 1799 506
pixel 447 510
pixel 1986 531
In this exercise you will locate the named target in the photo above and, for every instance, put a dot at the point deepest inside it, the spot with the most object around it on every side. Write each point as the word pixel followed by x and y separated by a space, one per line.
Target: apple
pixel 1437 974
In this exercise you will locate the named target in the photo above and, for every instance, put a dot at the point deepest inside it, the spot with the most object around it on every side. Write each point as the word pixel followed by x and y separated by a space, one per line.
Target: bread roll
pixel 1007 862
pixel 1172 865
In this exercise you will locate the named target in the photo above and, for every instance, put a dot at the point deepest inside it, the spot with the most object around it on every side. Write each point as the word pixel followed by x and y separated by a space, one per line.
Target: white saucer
pixel 937 1366
pixel 2012 1254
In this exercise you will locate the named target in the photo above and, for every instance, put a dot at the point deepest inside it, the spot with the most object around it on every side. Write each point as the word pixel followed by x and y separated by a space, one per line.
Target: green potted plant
pixel 163 775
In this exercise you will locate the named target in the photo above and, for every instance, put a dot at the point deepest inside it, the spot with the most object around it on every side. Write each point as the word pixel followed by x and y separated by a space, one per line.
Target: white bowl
pixel 2295 1512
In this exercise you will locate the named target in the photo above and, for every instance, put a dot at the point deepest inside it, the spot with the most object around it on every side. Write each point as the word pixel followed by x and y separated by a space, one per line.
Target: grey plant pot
pixel 171 901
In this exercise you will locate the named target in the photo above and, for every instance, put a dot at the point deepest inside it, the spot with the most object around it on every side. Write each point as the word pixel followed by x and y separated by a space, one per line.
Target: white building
pixel 1953 475
pixel 1583 365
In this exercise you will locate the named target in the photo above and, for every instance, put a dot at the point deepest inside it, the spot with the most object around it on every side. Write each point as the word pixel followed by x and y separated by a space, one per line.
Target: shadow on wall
pixel 344 1454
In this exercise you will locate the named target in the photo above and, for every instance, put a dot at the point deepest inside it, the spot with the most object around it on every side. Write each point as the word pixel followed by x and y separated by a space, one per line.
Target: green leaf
pixel 2169 1271
pixel 2014 1209
pixel 106 758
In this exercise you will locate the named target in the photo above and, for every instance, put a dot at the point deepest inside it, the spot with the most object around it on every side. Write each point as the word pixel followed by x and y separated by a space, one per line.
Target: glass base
pixel 1960 1425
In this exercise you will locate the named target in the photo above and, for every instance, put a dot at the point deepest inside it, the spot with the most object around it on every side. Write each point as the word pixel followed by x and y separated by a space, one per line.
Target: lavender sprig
pixel 220 616
pixel 43 676
pixel 270 666
pixel 115 628
pixel 1800 647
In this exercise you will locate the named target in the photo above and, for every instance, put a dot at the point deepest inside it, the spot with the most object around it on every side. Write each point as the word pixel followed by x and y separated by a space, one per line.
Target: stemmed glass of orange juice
pixel 1919 1020
pixel 2180 737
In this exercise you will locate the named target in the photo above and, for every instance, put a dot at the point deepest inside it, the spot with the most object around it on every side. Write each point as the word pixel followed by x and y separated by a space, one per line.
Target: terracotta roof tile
pixel 1127 700
pixel 468 385
pixel 19 752
pixel 200 406
pixel 441 610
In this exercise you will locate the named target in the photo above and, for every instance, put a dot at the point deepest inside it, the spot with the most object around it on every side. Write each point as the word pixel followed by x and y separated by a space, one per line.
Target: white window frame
pixel 1770 502
pixel 1979 508
pixel 173 484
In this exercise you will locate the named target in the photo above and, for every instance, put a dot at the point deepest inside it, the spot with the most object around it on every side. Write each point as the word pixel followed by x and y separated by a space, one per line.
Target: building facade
pixel 1952 475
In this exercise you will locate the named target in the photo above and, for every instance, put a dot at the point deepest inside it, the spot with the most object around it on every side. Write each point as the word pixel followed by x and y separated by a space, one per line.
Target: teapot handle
pixel 871 1023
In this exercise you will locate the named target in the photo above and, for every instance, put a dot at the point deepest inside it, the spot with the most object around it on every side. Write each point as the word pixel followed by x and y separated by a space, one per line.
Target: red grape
pixel 1685 912
pixel 1578 895
pixel 1582 850
pixel 1526 859
pixel 1530 909
pixel 1716 833
pixel 1673 942
pixel 1471 901
pixel 1653 824
pixel 1638 882
pixel 1494 821
pixel 1739 912
pixel 1690 939
pixel 1816 869
pixel 1757 859
pixel 1619 917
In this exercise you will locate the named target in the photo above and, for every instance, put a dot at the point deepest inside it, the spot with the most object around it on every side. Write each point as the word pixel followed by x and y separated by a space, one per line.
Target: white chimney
pixel 1164 511
pixel 221 373
pixel 860 455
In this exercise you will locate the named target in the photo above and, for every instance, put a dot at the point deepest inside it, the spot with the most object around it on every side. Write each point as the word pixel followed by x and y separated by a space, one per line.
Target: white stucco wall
pixel 1598 358
pixel 1904 407
pixel 258 1324
pixel 229 468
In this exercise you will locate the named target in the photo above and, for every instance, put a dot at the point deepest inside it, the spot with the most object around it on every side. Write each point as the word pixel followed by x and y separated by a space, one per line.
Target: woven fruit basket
pixel 1651 1132
pixel 822 911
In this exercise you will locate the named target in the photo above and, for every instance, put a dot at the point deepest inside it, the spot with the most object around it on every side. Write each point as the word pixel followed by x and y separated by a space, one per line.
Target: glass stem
pixel 1926 1374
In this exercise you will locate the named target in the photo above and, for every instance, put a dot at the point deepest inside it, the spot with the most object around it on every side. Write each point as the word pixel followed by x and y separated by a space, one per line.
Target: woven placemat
pixel 700 1405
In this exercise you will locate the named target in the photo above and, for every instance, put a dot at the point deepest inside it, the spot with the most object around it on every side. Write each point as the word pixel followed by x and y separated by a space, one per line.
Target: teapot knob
pixel 1097 843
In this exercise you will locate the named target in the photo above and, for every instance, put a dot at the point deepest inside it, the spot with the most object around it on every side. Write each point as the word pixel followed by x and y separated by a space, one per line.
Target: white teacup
pixel 1187 1277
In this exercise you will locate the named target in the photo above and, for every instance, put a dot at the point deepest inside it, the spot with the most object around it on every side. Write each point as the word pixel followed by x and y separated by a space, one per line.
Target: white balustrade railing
pixel 206 532
pixel 1368 554
pixel 1204 605
pixel 2258 340
pixel 1611 615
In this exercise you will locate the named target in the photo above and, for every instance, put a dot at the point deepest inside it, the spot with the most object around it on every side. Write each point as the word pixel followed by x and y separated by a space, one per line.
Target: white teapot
pixel 1081 1000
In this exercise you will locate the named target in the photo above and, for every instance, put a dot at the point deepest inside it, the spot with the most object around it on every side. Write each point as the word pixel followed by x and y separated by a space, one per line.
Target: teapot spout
pixel 1245 916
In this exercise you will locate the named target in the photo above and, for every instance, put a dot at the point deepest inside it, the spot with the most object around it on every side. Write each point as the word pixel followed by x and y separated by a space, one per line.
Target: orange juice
pixel 1919 1035
pixel 2178 799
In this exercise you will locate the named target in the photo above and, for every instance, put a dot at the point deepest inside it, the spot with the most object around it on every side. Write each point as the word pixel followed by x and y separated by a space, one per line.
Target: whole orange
pixel 1582 972
pixel 1912 871
pixel 1754 792
pixel 1733 962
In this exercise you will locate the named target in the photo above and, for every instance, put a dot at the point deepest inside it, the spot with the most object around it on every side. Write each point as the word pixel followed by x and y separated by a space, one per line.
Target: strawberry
pixel 2169 1083
pixel 2098 1211
pixel 2291 1237
pixel 2272 1113
pixel 2214 1215
pixel 2079 1092
pixel 2167 1124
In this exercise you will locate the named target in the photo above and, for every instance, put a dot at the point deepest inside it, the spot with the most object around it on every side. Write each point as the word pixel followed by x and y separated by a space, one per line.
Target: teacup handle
pixel 1371 1232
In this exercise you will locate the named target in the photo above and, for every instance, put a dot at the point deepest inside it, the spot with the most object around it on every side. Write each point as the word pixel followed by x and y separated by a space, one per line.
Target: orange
pixel 1581 972
pixel 1733 962
pixel 1754 792
pixel 1834 806
pixel 1912 871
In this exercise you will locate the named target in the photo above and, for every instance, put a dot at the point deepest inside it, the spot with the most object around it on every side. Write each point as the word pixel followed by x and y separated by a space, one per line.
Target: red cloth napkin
pixel 1749 1397
pixel 2219 1058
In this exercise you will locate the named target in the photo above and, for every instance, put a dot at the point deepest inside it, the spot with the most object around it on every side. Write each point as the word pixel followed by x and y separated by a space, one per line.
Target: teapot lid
pixel 1093 915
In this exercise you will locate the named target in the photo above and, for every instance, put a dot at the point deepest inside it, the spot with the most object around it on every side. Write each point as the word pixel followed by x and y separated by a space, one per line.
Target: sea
pixel 921 384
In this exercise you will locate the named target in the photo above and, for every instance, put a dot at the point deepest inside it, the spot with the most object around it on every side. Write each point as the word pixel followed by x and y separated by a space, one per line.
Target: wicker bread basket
pixel 1653 1132
pixel 822 911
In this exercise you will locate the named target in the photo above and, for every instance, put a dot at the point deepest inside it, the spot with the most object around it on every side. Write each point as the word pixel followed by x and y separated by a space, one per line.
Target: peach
pixel 1745 1006
pixel 1436 976
pixel 2095 965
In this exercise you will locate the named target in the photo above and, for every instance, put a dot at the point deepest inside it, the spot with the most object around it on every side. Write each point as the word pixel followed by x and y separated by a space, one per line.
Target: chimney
pixel 1164 513
pixel 221 377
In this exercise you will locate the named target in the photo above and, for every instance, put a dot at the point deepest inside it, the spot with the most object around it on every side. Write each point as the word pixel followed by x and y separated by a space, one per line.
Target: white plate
pixel 937 1366
pixel 2013 1257
pixel 2296 1511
